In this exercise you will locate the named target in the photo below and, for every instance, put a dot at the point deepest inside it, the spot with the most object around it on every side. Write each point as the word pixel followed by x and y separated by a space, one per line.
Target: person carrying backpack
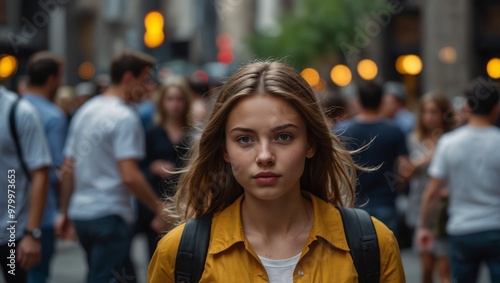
pixel 260 193
pixel 24 163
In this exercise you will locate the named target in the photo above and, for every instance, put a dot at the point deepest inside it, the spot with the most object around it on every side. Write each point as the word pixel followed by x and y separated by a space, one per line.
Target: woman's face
pixel 266 145
pixel 173 102
pixel 432 117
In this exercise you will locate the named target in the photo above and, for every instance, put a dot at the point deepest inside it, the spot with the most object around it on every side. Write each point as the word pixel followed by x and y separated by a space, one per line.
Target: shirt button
pixel 301 273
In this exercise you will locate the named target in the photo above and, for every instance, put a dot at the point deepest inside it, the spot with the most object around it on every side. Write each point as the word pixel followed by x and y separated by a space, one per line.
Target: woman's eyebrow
pixel 285 126
pixel 241 129
pixel 275 129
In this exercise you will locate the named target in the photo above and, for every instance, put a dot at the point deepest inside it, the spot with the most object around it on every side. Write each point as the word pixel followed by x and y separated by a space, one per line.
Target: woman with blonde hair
pixel 167 141
pixel 271 173
pixel 435 117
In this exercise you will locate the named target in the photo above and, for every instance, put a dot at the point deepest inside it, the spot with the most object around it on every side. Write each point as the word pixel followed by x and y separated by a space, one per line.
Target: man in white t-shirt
pixel 22 201
pixel 468 161
pixel 104 144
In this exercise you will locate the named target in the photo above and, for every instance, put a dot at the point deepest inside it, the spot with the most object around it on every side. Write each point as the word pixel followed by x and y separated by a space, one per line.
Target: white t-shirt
pixel 36 154
pixel 104 131
pixel 280 270
pixel 468 159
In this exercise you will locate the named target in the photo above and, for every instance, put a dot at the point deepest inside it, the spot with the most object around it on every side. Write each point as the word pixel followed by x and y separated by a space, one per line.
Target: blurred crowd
pixel 154 122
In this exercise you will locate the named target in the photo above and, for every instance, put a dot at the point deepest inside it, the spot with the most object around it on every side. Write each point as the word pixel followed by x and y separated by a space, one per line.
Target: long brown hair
pixel 207 184
pixel 447 114
pixel 180 83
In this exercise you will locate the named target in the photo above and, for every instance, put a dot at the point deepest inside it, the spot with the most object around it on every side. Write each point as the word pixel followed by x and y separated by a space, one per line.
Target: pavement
pixel 68 265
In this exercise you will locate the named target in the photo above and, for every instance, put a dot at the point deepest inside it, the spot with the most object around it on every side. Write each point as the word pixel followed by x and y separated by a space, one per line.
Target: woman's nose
pixel 265 156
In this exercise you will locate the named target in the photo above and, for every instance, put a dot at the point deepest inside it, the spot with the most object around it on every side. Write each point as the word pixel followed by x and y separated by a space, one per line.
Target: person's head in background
pixel 394 98
pixel 482 101
pixel 132 75
pixel 370 97
pixel 435 116
pixel 173 102
pixel 44 70
pixel 66 99
pixel 22 84
pixel 199 85
pixel 199 107
pixel 335 108
pixel 84 91
pixel 265 100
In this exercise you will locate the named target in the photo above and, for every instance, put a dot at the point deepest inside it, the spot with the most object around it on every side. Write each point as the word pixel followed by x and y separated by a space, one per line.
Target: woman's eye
pixel 244 139
pixel 284 137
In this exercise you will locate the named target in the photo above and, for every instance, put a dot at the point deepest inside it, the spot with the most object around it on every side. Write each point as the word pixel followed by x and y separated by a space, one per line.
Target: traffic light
pixel 154 36
pixel 224 44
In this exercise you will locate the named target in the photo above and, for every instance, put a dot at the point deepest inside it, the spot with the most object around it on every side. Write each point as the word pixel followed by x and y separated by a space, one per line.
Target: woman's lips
pixel 266 178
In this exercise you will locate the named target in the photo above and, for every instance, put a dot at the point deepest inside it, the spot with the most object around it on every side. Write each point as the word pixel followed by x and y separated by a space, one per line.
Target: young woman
pixel 166 145
pixel 269 169
pixel 435 117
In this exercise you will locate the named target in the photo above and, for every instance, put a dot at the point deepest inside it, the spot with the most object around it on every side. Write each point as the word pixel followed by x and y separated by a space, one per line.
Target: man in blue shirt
pixel 382 144
pixel 45 72
pixel 23 187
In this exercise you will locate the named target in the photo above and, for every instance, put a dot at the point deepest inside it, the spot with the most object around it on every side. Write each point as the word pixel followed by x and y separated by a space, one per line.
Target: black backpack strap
pixel 193 249
pixel 362 240
pixel 13 131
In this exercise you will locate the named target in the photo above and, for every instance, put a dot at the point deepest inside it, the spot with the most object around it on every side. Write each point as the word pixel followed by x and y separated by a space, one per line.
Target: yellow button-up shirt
pixel 325 257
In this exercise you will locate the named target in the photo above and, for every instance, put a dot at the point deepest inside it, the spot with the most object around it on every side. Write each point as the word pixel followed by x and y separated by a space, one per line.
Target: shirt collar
pixel 327 225
pixel 229 228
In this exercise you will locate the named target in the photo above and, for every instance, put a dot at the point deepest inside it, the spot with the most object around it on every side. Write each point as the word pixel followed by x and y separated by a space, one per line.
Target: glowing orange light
pixel 153 23
pixel 409 64
pixel 367 69
pixel 493 68
pixel 341 75
pixel 8 66
pixel 86 70
pixel 311 76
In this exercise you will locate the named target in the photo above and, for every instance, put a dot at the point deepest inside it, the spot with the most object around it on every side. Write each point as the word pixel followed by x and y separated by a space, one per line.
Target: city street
pixel 69 264
pixel 294 106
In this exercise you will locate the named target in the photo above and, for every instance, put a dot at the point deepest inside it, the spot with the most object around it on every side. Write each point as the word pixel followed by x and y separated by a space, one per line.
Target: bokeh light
pixel 86 70
pixel 341 75
pixel 224 44
pixel 367 69
pixel 153 23
pixel 225 56
pixel 311 76
pixel 153 39
pixel 8 66
pixel 409 64
pixel 154 20
pixel 448 55
pixel 493 68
